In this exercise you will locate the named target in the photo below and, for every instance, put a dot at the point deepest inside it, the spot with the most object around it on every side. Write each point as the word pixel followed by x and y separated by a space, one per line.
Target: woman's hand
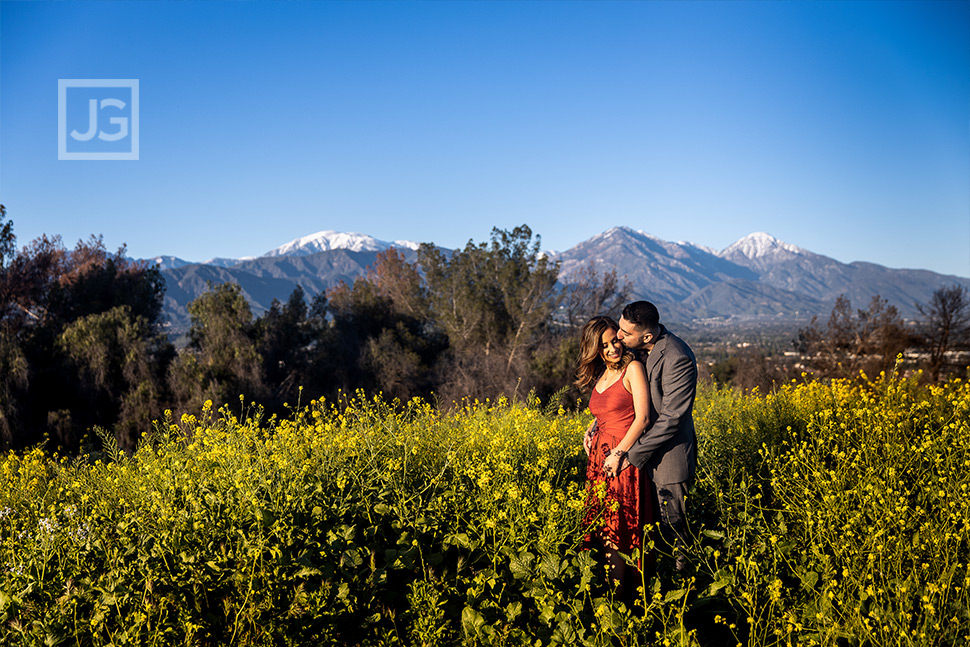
pixel 615 463
pixel 588 438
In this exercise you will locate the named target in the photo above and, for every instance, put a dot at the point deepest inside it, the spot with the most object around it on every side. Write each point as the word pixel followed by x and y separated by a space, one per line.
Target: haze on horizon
pixel 841 128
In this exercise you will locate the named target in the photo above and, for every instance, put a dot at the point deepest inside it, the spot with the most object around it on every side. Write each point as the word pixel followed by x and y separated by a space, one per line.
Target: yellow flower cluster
pixel 863 504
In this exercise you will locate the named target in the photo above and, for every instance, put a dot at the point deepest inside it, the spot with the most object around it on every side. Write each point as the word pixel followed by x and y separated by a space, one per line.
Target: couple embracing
pixel 642 447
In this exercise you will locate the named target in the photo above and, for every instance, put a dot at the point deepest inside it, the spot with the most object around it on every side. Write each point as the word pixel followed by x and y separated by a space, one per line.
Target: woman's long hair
pixel 591 364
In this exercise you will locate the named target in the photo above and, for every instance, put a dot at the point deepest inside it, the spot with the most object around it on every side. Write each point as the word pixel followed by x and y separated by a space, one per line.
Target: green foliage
pixel 283 335
pixel 831 516
pixel 221 361
pixel 8 241
pixel 352 524
pixel 13 366
pixel 112 354
pixel 79 342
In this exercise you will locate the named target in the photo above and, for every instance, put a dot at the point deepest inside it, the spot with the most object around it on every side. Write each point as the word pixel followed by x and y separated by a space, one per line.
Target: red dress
pixel 617 509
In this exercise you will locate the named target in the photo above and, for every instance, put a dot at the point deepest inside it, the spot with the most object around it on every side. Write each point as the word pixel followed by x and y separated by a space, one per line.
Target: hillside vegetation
pixel 825 514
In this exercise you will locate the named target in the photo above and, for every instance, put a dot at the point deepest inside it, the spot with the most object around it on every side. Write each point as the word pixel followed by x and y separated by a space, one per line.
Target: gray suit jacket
pixel 668 447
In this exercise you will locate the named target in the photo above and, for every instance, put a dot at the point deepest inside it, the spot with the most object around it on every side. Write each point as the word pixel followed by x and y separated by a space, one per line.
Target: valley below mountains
pixel 758 278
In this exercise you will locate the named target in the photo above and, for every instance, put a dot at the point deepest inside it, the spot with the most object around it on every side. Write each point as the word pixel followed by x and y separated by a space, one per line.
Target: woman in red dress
pixel 618 507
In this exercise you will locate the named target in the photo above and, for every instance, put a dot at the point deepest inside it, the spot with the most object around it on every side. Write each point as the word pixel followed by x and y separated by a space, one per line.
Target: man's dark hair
pixel 642 314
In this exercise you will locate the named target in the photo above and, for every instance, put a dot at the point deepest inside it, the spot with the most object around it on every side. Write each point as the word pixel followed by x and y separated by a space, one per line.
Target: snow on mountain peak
pixel 703 248
pixel 628 231
pixel 759 245
pixel 327 240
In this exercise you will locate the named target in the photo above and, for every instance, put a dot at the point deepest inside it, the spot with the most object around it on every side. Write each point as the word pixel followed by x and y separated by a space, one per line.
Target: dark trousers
pixel 671 506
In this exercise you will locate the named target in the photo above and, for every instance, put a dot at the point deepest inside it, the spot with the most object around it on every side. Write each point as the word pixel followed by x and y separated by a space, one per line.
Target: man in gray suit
pixel 668 447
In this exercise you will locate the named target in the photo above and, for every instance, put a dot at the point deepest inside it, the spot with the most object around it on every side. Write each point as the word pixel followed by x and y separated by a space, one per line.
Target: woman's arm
pixel 635 381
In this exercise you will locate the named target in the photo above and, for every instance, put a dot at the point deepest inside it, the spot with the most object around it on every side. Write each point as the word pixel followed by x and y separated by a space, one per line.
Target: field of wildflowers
pixel 825 514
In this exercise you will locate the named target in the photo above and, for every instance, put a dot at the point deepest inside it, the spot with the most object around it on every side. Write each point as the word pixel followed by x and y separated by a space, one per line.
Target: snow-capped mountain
pixel 757 274
pixel 673 271
pixel 324 241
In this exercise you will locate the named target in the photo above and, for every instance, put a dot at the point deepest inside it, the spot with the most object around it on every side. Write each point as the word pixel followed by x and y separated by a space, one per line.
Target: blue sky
pixel 841 127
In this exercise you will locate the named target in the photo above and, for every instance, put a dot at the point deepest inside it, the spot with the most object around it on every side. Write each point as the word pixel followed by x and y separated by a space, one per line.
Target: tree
pixel 829 348
pixel 945 325
pixel 493 302
pixel 398 360
pixel 13 386
pixel 359 313
pixel 589 294
pixel 284 337
pixel 867 340
pixel 749 368
pixel 555 357
pixel 527 284
pixel 117 360
pixel 400 282
pixel 95 281
pixel 60 328
pixel 462 299
pixel 8 242
pixel 13 362
pixel 381 337
pixel 881 336
pixel 221 362
pixel 28 279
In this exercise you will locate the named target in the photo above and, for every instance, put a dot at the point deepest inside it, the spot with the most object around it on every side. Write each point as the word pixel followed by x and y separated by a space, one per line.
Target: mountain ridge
pixel 756 276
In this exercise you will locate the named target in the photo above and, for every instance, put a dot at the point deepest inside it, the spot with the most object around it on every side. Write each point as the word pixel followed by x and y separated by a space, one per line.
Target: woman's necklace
pixel 609 375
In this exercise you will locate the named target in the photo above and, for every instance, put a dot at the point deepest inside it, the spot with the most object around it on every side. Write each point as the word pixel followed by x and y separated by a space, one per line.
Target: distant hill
pixel 264 279
pixel 758 276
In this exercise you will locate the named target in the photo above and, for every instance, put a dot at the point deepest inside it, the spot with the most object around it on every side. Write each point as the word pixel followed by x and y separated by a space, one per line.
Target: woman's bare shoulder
pixel 636 366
